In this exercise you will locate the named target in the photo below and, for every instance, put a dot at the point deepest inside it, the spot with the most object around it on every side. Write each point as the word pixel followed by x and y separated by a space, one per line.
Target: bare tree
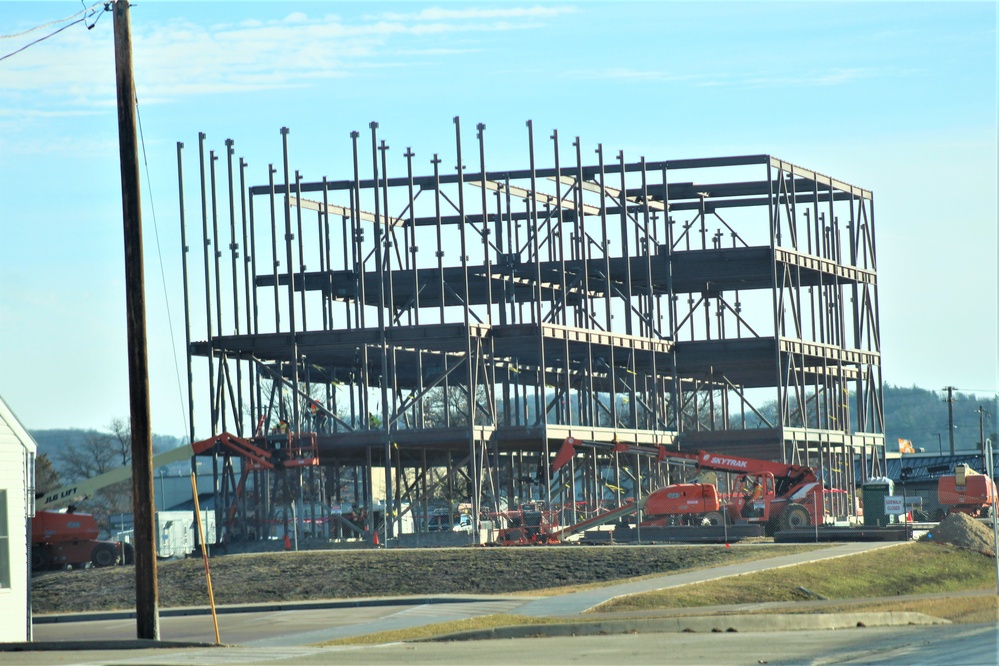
pixel 451 406
pixel 46 477
pixel 101 452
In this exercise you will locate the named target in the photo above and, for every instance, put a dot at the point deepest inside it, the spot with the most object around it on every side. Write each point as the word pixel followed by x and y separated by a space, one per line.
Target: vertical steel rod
pixel 288 237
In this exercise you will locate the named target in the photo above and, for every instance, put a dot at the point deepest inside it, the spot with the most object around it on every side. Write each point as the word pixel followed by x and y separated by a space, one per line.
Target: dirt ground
pixel 964 532
pixel 344 574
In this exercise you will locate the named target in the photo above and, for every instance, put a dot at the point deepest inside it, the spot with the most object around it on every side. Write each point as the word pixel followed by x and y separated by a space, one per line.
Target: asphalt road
pixel 279 628
pixel 973 645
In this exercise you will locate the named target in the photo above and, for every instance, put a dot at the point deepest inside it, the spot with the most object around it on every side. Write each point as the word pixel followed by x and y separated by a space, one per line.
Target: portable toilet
pixel 874 493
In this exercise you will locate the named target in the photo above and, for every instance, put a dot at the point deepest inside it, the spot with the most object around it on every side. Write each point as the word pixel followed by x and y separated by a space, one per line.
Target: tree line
pixel 911 413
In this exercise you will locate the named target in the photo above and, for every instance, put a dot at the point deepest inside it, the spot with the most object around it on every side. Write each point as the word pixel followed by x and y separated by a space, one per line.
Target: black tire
pixel 127 553
pixel 41 559
pixel 796 517
pixel 103 555
pixel 713 518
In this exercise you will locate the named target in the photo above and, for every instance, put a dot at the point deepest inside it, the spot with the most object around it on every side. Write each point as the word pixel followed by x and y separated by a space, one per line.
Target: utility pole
pixel 981 428
pixel 950 415
pixel 146 592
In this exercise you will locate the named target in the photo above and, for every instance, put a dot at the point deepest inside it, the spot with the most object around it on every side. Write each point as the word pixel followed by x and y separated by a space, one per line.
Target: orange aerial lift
pixel 61 536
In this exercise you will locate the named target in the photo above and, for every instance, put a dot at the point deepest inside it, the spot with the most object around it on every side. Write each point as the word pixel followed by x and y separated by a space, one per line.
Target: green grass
pixel 914 568
pixel 718 556
pixel 339 574
pixel 479 623
pixel 963 610
pixel 958 609
pixel 909 569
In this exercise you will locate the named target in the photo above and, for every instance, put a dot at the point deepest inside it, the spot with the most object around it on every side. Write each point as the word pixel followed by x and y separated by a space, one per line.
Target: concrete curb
pixel 701 624
pixel 75 646
pixel 93 616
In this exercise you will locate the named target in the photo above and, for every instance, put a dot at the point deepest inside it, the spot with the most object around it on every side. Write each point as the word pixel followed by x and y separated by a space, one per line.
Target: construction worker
pixel 753 490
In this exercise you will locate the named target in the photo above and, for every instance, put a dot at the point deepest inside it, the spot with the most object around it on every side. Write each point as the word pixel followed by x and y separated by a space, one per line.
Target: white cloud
pixel 436 52
pixel 296 17
pixel 439 13
pixel 810 77
pixel 832 77
pixel 626 74
pixel 181 58
pixel 78 143
pixel 24 114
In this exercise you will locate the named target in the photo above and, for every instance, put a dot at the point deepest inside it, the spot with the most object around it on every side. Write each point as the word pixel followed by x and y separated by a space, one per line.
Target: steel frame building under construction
pixel 449 326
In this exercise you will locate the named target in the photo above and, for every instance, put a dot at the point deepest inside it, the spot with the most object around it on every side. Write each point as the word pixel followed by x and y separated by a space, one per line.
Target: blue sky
pixel 899 98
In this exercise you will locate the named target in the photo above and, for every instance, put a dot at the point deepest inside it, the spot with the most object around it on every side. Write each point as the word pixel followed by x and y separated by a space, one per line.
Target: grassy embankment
pixel 896 572
pixel 328 574
pixel 909 569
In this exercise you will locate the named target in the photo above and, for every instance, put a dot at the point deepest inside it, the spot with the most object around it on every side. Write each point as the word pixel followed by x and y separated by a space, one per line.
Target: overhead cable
pixel 56 32
pixel 159 253
pixel 56 22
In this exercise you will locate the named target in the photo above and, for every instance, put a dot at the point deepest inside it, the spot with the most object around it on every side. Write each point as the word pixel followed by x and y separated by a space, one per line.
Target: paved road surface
pixel 896 646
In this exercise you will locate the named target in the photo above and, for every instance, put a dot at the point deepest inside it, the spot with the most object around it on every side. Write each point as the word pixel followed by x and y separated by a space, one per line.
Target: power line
pixel 57 21
pixel 159 251
pixel 56 32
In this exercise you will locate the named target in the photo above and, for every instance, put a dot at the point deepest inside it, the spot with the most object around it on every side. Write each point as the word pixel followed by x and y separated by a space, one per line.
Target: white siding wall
pixel 14 462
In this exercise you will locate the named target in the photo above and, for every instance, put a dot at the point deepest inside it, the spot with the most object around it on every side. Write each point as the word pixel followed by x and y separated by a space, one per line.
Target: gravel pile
pixel 963 531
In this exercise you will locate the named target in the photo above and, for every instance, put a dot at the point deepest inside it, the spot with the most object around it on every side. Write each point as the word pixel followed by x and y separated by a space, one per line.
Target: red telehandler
pixel 777 495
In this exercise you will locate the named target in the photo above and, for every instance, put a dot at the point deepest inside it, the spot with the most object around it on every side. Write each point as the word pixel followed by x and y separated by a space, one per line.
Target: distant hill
pixel 911 413
pixel 50 442
pixel 920 415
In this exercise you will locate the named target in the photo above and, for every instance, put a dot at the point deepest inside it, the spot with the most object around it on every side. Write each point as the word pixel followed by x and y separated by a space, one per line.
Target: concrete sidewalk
pixel 712 624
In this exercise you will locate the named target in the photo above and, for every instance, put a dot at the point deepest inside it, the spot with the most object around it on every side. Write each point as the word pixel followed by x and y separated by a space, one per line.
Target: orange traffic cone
pixel 287 542
pixel 376 538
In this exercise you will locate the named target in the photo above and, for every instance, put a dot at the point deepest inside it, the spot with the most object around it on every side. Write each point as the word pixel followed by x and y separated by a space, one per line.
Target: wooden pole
pixel 146 592
pixel 204 556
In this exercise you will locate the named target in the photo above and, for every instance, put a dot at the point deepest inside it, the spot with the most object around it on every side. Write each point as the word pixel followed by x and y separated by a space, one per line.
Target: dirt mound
pixel 963 531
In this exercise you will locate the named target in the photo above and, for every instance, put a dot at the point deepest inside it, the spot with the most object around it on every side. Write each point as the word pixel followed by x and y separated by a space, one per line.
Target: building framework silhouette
pixel 441 331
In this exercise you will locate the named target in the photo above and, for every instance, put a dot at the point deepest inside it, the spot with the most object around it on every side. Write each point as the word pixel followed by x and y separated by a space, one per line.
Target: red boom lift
pixel 967 491
pixel 65 537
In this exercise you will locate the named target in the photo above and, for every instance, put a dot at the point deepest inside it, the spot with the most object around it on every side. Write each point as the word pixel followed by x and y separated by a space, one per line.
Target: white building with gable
pixel 17 505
